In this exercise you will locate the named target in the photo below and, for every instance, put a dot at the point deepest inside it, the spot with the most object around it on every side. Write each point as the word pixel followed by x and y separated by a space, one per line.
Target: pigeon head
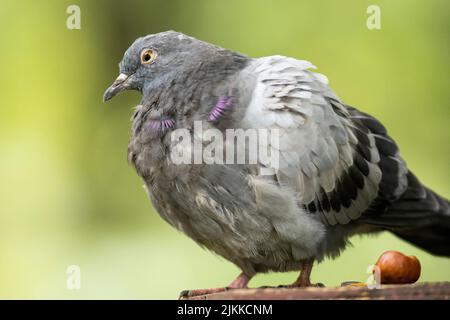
pixel 157 60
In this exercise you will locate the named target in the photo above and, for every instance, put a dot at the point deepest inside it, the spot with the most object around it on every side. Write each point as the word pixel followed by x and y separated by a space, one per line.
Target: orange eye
pixel 148 56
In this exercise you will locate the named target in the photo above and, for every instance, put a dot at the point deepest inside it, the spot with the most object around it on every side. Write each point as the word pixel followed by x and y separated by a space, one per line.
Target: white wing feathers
pixel 318 145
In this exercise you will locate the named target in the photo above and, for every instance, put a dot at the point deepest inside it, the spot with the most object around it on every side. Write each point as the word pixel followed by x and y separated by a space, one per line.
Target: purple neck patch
pixel 222 104
pixel 161 125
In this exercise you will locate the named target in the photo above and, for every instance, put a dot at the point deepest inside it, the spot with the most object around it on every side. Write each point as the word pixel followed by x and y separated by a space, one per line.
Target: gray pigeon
pixel 338 172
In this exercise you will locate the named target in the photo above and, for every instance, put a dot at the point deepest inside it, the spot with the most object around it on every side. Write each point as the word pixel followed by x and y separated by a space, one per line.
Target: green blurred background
pixel 67 194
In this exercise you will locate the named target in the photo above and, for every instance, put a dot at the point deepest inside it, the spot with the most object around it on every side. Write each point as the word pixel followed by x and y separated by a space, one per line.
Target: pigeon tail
pixel 434 235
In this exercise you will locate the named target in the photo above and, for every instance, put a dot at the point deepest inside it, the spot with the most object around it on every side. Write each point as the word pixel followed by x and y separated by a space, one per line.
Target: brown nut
pixel 397 268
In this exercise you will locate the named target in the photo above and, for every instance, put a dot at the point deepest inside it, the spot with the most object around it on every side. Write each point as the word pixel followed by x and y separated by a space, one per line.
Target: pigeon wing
pixel 328 153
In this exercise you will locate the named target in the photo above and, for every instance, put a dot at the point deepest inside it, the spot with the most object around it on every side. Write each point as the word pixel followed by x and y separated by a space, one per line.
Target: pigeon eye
pixel 148 56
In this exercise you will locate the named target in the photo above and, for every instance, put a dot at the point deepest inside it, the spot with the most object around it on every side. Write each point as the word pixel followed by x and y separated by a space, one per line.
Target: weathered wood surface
pixel 433 291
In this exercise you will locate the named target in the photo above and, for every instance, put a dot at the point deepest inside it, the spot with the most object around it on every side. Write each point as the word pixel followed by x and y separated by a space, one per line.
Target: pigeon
pixel 338 172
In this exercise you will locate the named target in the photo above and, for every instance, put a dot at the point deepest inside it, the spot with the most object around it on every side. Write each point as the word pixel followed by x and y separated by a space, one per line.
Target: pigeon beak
pixel 118 85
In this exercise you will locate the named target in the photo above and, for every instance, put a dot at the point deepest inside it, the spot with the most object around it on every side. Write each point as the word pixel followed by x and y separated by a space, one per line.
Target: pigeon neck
pixel 205 87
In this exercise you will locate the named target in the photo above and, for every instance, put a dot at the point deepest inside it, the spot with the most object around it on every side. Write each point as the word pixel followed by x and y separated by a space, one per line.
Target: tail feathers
pixel 434 239
pixel 431 215
pixel 419 216
pixel 429 219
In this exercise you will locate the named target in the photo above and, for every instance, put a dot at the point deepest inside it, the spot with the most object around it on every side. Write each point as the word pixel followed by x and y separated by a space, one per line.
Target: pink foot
pixel 240 282
pixel 303 280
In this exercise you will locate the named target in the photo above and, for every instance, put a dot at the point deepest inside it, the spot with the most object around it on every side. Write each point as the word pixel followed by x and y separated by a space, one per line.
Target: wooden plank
pixel 429 291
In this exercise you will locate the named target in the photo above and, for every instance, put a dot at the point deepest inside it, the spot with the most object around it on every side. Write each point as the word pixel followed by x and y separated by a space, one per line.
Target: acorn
pixel 397 268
